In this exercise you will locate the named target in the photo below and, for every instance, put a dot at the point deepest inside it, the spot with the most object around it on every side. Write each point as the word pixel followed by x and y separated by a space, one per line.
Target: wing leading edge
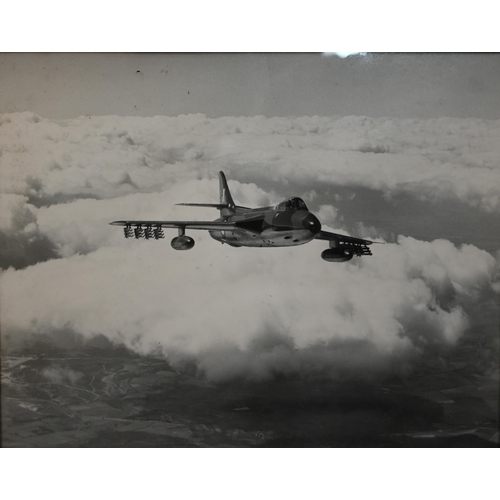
pixel 202 225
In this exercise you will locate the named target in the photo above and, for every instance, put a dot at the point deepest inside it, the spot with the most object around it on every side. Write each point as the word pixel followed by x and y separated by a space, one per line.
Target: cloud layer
pixel 104 157
pixel 237 312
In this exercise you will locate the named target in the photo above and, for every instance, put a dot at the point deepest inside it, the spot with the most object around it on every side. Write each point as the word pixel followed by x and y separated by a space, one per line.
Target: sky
pixel 402 85
pixel 400 148
pixel 242 313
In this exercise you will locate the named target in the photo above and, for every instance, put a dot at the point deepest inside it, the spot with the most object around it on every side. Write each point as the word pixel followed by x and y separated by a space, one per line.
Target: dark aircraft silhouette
pixel 287 224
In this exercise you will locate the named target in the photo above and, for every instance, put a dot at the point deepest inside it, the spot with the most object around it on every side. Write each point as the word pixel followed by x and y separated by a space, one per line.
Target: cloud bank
pixel 105 157
pixel 236 312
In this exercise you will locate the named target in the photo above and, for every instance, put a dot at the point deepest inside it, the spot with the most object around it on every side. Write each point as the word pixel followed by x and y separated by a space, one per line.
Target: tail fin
pixel 225 194
pixel 225 198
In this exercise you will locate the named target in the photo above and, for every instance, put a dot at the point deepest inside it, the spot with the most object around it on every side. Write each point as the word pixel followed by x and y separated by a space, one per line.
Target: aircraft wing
pixel 206 225
pixel 327 236
pixel 357 246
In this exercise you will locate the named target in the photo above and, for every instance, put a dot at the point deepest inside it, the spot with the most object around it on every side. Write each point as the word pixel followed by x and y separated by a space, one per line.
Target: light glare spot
pixel 343 54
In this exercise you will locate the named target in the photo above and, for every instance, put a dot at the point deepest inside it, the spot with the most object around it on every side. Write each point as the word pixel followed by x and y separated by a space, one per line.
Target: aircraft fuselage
pixel 267 227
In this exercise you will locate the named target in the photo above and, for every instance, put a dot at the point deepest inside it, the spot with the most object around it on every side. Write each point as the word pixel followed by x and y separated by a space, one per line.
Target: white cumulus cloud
pixel 104 157
pixel 238 312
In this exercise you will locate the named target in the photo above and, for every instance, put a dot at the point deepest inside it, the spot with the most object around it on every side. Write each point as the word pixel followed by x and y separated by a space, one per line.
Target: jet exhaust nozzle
pixel 182 243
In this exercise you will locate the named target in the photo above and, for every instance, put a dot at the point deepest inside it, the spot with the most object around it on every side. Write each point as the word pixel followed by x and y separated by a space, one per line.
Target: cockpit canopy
pixel 291 204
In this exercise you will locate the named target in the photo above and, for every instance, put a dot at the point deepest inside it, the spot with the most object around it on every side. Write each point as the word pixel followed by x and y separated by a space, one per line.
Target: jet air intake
pixel 311 223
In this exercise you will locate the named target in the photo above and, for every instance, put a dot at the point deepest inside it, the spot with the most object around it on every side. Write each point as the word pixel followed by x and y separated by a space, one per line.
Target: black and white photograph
pixel 250 250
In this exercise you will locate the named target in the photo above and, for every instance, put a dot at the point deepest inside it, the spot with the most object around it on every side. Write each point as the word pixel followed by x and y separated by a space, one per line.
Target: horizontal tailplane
pixel 218 206
pixel 226 203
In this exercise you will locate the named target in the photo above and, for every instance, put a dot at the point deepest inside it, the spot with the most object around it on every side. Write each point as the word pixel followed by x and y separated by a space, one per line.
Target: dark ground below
pixel 106 396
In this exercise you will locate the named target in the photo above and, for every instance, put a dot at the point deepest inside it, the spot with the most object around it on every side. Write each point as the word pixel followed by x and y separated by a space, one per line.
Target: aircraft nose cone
pixel 312 223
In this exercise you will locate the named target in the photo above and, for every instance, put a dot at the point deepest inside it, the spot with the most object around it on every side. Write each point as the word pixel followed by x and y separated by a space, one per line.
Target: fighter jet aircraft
pixel 287 224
